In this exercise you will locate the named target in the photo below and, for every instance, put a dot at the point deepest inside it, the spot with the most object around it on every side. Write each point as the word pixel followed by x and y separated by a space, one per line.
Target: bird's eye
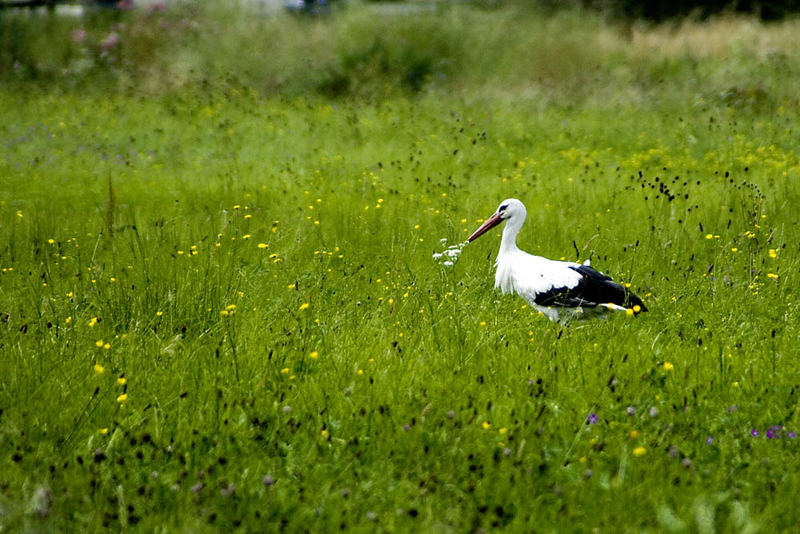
pixel 502 208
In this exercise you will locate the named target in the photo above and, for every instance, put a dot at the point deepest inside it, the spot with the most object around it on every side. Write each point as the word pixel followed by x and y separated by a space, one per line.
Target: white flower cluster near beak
pixel 449 256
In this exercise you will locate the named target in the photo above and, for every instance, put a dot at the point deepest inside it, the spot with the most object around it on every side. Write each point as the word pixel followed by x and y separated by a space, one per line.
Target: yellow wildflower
pixel 99 369
pixel 314 355
pixel 486 425
pixel 122 398
pixel 122 381
pixel 668 366
pixel 304 306
pixel 639 451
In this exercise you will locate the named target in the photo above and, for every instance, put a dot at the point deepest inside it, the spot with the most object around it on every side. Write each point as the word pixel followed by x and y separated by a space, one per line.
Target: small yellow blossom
pixel 639 451
pixel 486 425
pixel 224 313
pixel 773 253
pixel 734 249
pixel 482 323
pixel 668 366
pixel 773 276
pixel 634 434
pixel 304 306
pixel 103 431
pixel 107 346
pixel 246 236
pixel 637 308
pixel 292 286
pixel 99 343
pixel 285 371
pixel 122 381
pixel 68 320
pixel 709 236
pixel 324 432
pixel 51 241
pixel 122 398
pixel 92 322
pixel 230 307
pixel 629 312
pixel 735 384
pixel 159 313
pixel 99 369
pixel 314 355
pixel 262 245
pixel 360 372
pixel 503 430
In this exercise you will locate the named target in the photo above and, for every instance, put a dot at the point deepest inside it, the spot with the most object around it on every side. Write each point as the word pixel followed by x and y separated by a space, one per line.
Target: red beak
pixel 490 223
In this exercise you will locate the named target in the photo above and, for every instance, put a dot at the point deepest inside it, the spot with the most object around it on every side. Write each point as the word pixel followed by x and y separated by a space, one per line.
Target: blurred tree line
pixel 662 10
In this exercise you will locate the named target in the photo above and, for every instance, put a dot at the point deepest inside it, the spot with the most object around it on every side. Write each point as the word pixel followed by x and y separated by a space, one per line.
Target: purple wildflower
pixel 111 40
pixel 774 432
pixel 591 419
pixel 709 440
pixel 791 435
pixel 78 35
pixel 755 433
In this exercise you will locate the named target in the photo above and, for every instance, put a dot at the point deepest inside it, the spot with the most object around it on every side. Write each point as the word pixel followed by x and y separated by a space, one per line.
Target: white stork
pixel 560 290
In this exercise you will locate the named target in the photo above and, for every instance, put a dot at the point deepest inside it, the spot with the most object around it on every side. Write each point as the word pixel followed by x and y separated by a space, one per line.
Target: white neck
pixel 509 241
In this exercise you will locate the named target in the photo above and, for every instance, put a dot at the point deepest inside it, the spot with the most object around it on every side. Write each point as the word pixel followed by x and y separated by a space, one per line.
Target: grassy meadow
pixel 219 309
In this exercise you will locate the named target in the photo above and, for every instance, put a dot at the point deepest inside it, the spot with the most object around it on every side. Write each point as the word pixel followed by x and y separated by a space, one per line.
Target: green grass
pixel 258 268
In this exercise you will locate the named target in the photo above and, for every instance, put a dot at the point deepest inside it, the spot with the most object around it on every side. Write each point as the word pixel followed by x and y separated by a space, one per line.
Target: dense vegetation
pixel 219 307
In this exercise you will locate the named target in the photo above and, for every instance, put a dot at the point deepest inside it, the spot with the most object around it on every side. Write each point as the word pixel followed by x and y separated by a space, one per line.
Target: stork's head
pixel 511 210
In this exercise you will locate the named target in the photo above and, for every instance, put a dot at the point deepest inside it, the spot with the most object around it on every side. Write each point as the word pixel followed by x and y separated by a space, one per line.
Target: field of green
pixel 219 307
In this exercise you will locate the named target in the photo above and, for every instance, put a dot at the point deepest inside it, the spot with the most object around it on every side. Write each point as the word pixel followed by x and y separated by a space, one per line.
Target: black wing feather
pixel 594 288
